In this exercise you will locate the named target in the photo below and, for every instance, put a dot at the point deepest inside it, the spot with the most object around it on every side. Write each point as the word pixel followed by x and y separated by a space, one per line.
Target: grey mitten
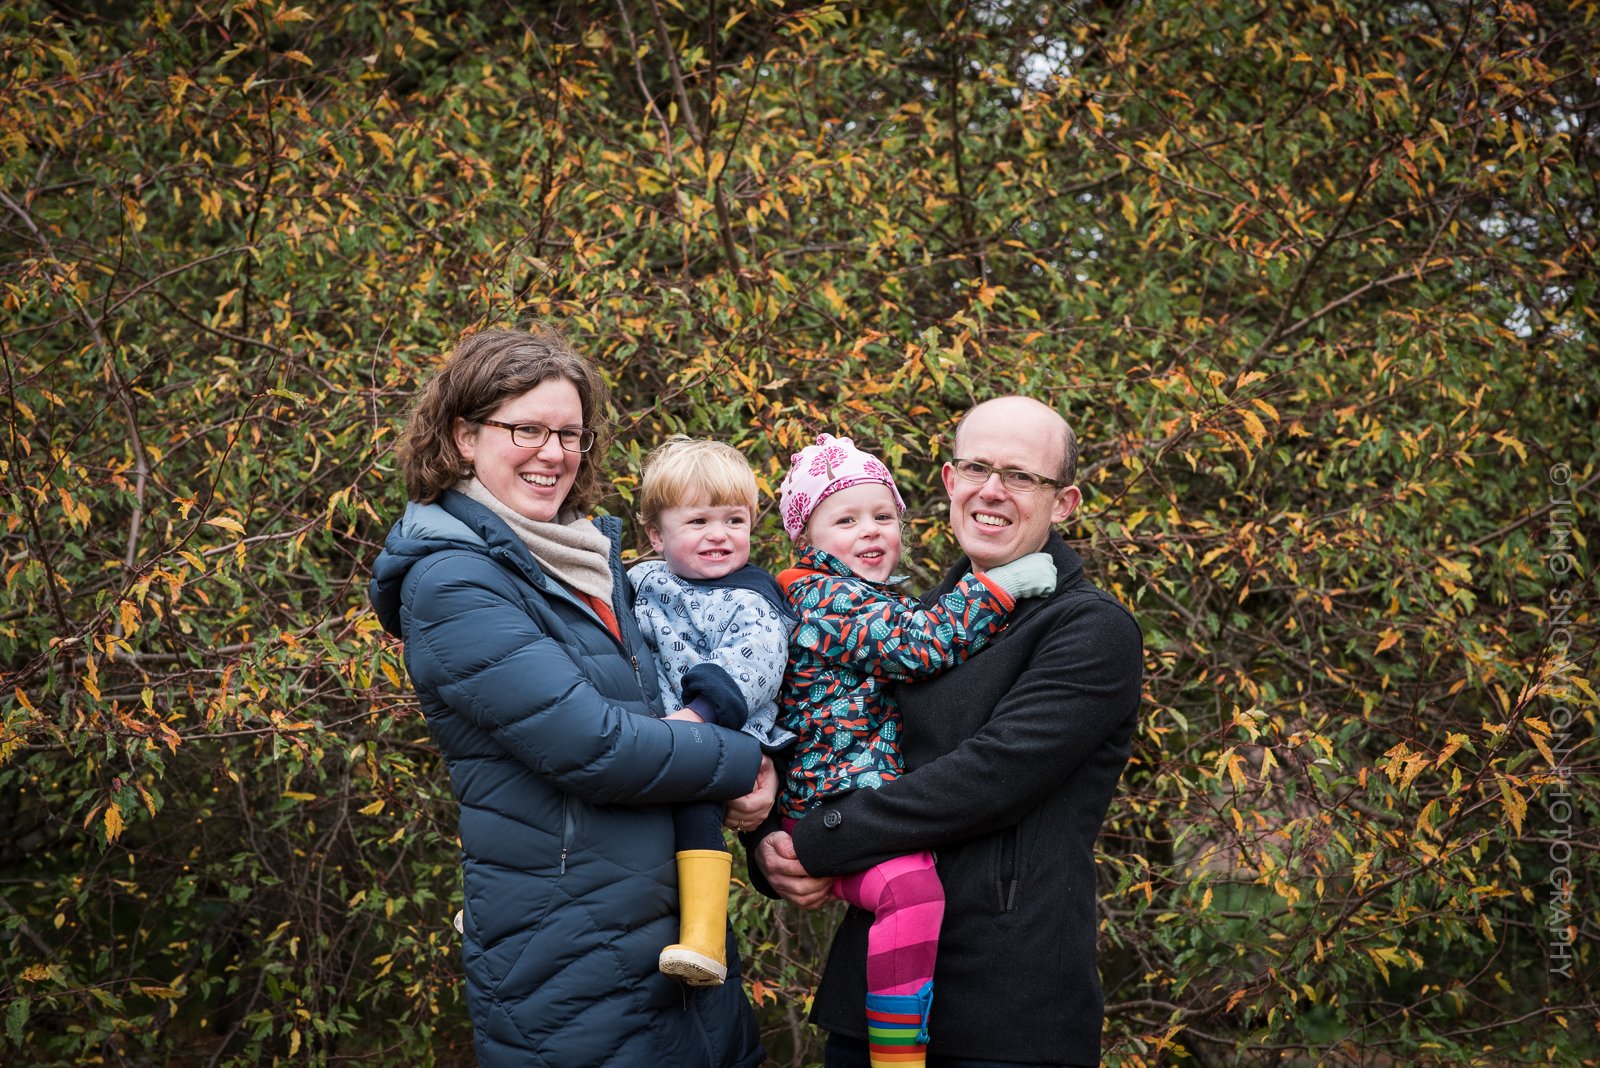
pixel 1033 575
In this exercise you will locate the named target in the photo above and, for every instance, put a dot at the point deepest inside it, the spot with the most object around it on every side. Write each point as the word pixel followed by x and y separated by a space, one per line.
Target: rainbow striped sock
pixel 897 1028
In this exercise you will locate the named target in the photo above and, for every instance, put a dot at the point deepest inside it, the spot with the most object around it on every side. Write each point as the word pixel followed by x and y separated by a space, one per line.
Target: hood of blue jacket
pixel 455 521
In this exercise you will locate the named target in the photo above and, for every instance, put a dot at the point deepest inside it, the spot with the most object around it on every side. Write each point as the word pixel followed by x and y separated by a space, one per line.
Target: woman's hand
pixel 787 875
pixel 746 813
pixel 688 715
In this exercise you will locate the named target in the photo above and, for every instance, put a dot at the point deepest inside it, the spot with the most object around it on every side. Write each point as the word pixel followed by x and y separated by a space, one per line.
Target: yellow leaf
pixel 297 795
pixel 384 142
pixel 167 992
pixel 129 613
pixel 372 809
pixel 230 525
pixel 1513 444
pixel 292 14
pixel 299 57
pixel 831 294
pixel 1269 409
pixel 1515 804
pixel 1387 639
pixel 1253 423
pixel 1234 764
pixel 113 822
pixel 1129 212
pixel 91 678
pixel 1458 570
pixel 1425 818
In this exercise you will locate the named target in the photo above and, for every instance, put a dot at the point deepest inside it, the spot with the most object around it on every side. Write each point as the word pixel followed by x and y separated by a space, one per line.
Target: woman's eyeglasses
pixel 534 435
pixel 1022 481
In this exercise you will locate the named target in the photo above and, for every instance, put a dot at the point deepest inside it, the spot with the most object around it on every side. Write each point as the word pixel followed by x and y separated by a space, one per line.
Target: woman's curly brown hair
pixel 483 372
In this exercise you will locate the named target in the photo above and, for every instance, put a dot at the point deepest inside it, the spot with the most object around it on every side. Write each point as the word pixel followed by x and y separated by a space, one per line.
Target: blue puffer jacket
pixel 565 776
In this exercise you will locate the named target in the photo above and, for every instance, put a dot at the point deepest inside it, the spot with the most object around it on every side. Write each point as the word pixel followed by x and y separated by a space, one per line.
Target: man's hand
pixel 746 813
pixel 787 875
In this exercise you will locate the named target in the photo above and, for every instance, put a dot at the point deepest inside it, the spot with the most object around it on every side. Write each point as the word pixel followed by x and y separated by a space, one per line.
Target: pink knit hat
pixel 817 471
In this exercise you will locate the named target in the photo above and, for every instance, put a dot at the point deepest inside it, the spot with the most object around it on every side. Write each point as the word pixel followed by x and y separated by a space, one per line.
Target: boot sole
pixel 694 969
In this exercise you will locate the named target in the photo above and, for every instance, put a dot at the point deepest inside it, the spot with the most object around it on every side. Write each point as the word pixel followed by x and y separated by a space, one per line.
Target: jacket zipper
pixel 620 608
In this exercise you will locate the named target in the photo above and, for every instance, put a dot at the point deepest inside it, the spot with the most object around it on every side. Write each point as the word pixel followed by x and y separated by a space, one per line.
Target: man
pixel 1012 759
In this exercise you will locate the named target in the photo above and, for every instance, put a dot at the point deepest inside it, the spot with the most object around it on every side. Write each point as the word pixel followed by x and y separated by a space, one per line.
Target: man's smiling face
pixel 994 523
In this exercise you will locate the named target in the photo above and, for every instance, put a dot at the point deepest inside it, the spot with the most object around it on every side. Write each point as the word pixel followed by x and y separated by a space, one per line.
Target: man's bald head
pixel 1027 412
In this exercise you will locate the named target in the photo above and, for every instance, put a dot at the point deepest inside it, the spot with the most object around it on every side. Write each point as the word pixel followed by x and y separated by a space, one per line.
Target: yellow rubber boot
pixel 699 958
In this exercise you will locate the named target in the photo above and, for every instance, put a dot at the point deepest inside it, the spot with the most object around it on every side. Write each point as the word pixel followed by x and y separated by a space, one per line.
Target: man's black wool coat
pixel 1012 758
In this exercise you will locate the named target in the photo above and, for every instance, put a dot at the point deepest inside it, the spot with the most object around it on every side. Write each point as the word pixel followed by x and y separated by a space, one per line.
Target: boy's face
pixel 702 541
pixel 860 527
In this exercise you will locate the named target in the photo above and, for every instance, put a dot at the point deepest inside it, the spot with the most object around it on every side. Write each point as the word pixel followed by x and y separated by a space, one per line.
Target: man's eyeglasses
pixel 1021 481
pixel 534 435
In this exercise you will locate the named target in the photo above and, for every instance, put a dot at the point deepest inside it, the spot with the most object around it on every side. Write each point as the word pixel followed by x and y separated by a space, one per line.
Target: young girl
pixel 857 636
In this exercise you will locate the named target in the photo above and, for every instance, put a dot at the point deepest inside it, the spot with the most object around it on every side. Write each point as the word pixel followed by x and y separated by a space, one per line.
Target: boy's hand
pixel 746 813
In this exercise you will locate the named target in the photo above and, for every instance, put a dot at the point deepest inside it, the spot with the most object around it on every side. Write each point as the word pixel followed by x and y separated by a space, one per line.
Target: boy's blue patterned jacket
pixel 725 639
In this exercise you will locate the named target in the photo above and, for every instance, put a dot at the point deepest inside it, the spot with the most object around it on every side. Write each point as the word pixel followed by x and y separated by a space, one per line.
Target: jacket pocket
pixel 566 833
pixel 1007 849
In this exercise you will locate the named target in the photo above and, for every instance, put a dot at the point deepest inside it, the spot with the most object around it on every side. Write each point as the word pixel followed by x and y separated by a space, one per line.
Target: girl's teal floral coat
pixel 855 638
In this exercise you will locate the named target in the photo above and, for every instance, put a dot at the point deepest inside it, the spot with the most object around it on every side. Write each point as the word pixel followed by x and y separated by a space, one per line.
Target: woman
pixel 541 695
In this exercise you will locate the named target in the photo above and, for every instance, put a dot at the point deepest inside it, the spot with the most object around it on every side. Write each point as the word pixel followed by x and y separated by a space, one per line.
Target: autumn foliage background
pixel 1314 280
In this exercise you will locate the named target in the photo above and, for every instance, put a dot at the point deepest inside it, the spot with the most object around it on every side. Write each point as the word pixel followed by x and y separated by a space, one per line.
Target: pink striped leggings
pixel 906 900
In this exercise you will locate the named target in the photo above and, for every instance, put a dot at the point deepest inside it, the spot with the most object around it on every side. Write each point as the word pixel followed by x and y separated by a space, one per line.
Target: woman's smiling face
pixel 534 483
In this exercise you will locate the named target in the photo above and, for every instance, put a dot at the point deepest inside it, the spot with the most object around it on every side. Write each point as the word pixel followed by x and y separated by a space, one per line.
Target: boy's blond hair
pixel 682 470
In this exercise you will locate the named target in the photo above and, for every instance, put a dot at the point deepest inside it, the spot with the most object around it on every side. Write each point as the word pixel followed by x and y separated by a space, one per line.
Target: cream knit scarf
pixel 572 549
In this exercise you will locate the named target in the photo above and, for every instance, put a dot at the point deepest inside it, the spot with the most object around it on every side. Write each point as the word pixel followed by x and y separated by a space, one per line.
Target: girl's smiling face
pixel 860 526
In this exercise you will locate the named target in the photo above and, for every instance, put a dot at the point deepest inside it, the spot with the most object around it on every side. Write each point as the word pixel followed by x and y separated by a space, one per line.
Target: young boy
pixel 719 628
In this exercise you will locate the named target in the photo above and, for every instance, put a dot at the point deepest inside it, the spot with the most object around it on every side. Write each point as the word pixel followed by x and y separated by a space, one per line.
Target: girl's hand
pixel 746 813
